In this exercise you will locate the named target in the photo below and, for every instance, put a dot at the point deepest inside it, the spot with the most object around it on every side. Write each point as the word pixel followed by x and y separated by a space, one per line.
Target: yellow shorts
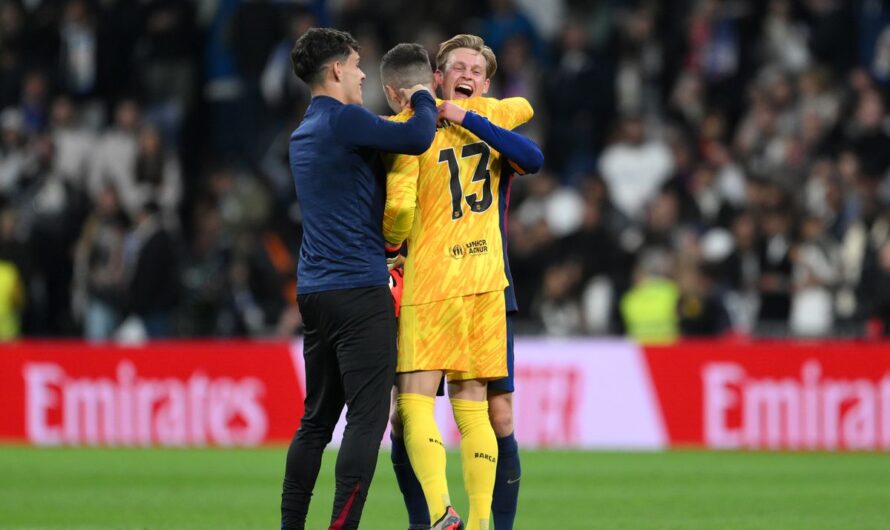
pixel 465 336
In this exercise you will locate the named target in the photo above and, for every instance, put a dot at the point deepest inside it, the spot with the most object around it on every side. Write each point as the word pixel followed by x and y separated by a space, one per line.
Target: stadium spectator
pixel 15 264
pixel 714 49
pixel 730 177
pixel 815 275
pixel 738 272
pixel 158 175
pixel 364 16
pixel 166 71
pixel 281 91
pixel 879 300
pixel 593 250
pixel 775 271
pixel 560 305
pixel 73 142
pixel 53 220
pixel 518 71
pixel 662 217
pixel 640 64
pixel 13 42
pixel 13 246
pixel 577 96
pixel 700 307
pixel 255 298
pixel 152 270
pixel 121 29
pixel 99 283
pixel 12 299
pixel 649 308
pixel 505 21
pixel 867 135
pixel 34 102
pixel 79 49
pixel 15 157
pixel 785 38
pixel 635 167
pixel 114 159
pixel 832 33
pixel 242 199
pixel 223 86
pixel 687 100
pixel 10 75
pixel 204 282
pixel 532 244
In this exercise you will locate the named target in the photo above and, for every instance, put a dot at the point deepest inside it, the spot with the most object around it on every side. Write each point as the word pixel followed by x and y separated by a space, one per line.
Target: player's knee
pixel 501 416
pixel 502 424
pixel 315 433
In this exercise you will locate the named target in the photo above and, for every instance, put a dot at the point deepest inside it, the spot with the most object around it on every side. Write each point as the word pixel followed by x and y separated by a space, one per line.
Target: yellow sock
pixel 479 454
pixel 425 450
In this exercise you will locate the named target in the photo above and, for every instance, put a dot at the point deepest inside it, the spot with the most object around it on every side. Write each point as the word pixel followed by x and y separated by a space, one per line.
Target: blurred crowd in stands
pixel 713 167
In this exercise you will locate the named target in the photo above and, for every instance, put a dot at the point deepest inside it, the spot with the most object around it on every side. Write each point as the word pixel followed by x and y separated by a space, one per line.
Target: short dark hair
pixel 316 48
pixel 406 65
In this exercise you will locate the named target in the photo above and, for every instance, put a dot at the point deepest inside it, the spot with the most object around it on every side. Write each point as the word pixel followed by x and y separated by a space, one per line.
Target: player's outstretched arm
pixel 359 126
pixel 524 154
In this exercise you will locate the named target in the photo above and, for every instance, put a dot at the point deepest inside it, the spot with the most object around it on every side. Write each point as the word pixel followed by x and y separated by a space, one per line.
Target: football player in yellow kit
pixel 449 204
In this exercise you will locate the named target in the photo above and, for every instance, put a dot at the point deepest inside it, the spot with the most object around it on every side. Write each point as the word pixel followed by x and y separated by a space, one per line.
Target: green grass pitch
pixel 92 489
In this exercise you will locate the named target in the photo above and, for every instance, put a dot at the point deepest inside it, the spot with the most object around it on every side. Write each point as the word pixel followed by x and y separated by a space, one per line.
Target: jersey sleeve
pixel 401 197
pixel 524 155
pixel 512 112
pixel 507 113
pixel 358 126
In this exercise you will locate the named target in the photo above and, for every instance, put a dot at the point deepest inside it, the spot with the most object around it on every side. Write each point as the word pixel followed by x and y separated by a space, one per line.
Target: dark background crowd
pixel 713 167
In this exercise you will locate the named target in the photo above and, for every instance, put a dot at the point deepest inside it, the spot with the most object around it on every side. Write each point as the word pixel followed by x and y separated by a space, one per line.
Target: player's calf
pixel 412 492
pixel 505 496
pixel 500 413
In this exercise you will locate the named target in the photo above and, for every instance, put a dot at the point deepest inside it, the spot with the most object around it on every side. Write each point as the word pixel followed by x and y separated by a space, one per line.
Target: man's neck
pixel 331 91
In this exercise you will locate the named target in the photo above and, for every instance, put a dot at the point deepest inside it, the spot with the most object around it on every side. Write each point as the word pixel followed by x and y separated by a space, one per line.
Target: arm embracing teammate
pixel 350 327
pixel 449 203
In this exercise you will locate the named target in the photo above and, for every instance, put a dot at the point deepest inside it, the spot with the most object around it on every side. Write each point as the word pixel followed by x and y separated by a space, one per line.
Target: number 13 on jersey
pixel 482 174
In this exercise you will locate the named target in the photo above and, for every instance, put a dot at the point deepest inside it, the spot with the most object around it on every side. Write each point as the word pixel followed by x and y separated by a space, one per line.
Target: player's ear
pixel 438 79
pixel 392 98
pixel 337 70
pixel 485 86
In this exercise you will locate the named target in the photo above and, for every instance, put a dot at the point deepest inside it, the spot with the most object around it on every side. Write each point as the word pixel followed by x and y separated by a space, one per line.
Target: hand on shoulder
pixel 408 93
pixel 451 112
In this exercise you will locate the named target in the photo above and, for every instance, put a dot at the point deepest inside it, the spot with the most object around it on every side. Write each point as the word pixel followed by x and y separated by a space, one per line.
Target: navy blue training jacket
pixel 341 188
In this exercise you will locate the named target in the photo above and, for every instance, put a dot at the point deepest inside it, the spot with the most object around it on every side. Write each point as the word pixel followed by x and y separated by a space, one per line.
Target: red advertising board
pixel 176 393
pixel 777 395
pixel 570 393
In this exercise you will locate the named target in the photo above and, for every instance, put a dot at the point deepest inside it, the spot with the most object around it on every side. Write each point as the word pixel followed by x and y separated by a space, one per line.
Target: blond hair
pixel 467 41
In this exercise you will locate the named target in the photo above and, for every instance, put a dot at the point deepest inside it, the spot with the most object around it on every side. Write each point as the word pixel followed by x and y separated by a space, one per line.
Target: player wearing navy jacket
pixel 342 280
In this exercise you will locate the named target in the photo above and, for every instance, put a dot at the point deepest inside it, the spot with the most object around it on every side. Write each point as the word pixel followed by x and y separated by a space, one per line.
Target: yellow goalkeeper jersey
pixel 446 203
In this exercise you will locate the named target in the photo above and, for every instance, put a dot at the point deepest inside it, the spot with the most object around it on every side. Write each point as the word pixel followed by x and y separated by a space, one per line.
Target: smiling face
pixel 351 76
pixel 464 75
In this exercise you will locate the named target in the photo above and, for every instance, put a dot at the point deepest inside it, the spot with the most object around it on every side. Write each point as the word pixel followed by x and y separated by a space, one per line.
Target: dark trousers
pixel 350 353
